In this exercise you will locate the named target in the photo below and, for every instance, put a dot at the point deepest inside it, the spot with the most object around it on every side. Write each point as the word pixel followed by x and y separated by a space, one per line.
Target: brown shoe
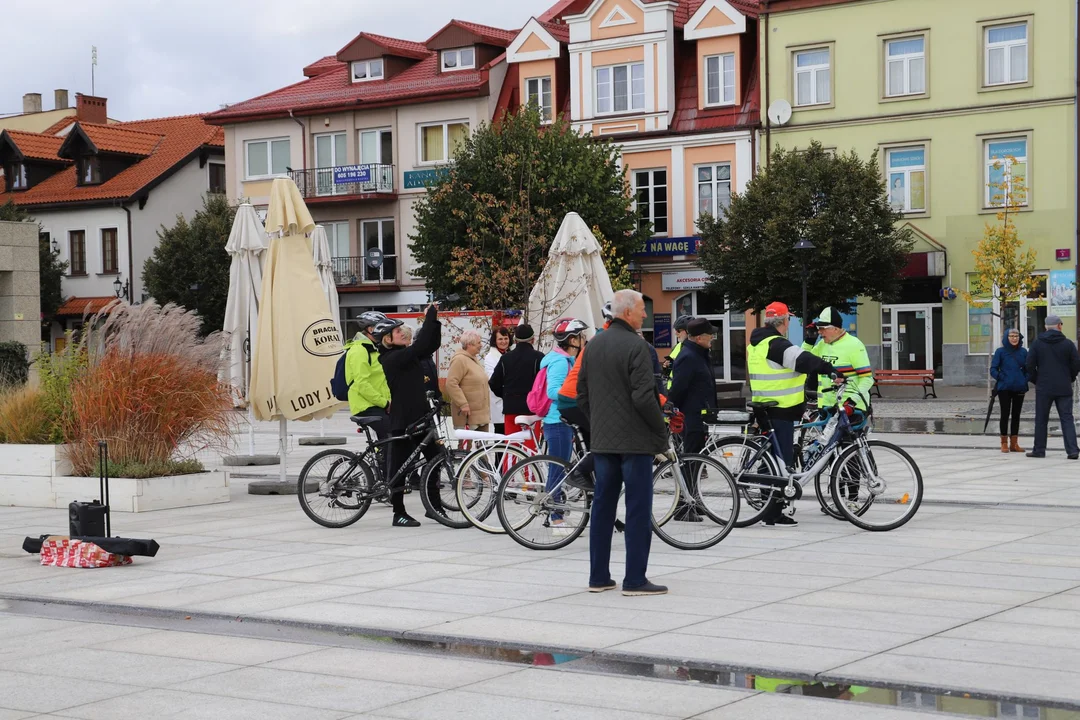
pixel 1014 445
pixel 1004 444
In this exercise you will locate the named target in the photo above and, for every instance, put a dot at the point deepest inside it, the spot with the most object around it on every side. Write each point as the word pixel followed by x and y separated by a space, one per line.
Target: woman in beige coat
pixel 467 386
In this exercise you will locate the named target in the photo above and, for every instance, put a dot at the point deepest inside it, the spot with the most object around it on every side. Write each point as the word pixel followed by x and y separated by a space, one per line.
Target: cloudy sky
pixel 174 57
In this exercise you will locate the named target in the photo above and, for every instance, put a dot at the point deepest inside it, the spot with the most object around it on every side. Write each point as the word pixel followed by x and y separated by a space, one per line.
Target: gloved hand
pixel 669 408
pixel 811 334
pixel 849 407
pixel 678 423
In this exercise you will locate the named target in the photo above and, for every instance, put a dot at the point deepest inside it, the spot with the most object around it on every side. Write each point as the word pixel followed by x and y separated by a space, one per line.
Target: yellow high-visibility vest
pixel 769 381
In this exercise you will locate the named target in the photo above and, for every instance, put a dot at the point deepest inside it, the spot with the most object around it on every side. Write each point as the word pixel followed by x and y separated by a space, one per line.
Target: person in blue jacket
pixel 1009 369
pixel 569 336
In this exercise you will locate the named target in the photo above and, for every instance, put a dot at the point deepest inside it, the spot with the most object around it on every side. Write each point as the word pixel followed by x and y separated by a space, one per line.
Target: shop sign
pixel 347 174
pixel 1062 290
pixel 685 280
pixel 415 179
pixel 665 246
pixel 1062 254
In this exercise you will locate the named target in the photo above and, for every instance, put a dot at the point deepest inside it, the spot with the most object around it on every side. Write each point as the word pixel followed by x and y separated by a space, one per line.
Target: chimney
pixel 61 97
pixel 31 103
pixel 89 109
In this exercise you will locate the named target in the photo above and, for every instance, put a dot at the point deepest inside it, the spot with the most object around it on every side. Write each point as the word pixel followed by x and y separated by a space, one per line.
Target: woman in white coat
pixel 501 340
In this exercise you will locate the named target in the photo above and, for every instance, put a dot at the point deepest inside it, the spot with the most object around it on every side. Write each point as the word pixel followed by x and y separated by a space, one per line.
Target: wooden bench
pixel 919 378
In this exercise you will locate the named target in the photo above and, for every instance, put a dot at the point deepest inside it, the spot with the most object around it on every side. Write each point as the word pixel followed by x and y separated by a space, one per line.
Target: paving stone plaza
pixel 251 610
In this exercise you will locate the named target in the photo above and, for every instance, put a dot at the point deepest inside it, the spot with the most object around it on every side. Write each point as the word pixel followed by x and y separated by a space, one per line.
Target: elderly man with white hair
pixel 617 391
pixel 467 384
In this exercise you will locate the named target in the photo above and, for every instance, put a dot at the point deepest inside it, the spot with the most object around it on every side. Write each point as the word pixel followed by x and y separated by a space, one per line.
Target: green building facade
pixel 950 95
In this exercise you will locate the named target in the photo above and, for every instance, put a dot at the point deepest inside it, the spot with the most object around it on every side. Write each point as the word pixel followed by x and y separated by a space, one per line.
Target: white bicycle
pixel 489 457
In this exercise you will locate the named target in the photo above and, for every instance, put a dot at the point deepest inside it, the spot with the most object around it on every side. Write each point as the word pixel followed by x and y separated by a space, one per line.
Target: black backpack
pixel 338 386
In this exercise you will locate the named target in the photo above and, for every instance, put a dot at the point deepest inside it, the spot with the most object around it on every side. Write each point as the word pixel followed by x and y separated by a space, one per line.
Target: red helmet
pixel 568 328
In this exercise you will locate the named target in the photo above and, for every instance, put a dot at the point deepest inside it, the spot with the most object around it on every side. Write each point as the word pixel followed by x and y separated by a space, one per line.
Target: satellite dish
pixel 374 258
pixel 780 112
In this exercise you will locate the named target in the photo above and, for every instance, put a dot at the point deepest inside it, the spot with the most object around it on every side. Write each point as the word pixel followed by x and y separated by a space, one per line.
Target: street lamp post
pixel 803 247
pixel 122 289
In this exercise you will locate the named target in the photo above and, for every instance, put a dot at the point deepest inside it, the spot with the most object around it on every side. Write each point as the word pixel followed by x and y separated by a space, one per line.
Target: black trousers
pixel 400 450
pixel 1011 404
pixel 382 431
pixel 1043 403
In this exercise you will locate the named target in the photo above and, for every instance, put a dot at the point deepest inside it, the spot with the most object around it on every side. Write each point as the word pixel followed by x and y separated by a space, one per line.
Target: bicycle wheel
pixel 707 515
pixel 478 484
pixel 876 485
pixel 438 493
pixel 736 453
pixel 333 488
pixel 536 516
pixel 824 494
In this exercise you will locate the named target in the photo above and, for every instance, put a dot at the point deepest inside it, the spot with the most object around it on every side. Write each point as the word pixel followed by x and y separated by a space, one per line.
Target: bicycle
pixel 479 473
pixel 547 516
pixel 858 489
pixel 336 487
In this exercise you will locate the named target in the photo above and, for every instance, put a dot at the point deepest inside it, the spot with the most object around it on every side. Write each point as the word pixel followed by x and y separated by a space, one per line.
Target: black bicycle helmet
pixel 568 328
pixel 370 319
pixel 606 312
pixel 385 327
pixel 682 321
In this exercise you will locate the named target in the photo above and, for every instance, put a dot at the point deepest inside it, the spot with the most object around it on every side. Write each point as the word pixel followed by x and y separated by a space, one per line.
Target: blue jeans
pixel 1043 404
pixel 560 441
pixel 612 473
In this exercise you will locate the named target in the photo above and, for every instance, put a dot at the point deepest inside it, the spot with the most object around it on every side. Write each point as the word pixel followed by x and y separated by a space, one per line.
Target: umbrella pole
pixel 282 435
pixel 322 428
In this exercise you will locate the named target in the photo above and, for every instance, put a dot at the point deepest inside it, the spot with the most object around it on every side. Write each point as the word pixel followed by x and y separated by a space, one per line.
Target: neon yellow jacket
pixel 365 377
pixel 848 355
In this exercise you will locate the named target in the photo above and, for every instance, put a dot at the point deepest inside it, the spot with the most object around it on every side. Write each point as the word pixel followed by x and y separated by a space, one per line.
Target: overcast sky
pixel 174 57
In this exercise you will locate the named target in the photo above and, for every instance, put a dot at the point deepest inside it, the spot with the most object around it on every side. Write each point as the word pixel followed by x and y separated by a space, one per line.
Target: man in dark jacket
pixel 694 393
pixel 514 375
pixel 1053 365
pixel 405 376
pixel 617 391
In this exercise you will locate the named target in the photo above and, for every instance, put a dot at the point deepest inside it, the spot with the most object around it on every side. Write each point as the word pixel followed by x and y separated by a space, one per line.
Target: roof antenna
pixel 93 64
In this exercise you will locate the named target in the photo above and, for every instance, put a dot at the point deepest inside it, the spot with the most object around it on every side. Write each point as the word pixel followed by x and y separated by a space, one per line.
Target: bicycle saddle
pixel 363 421
pixel 764 405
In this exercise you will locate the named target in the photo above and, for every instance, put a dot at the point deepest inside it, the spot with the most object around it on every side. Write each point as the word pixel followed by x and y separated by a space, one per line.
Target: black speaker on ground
pixel 86 519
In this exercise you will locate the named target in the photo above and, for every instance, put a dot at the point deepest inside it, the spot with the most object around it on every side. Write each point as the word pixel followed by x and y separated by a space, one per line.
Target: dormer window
pixel 365 70
pixel 90 170
pixel 16 175
pixel 460 59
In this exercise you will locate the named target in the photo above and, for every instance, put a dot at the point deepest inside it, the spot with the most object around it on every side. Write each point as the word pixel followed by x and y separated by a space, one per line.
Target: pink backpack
pixel 537 399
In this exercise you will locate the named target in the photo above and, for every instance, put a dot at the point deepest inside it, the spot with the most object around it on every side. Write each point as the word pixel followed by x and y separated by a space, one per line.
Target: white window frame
pixel 378 132
pixel 813 70
pixel 1007 167
pixel 546 106
pixel 368 65
pixel 905 60
pixel 906 171
pixel 446 141
pixel 19 180
pixel 699 211
pixel 269 157
pixel 456 54
pixel 723 87
pixel 361 241
pixel 651 214
pixel 1007 46
pixel 610 70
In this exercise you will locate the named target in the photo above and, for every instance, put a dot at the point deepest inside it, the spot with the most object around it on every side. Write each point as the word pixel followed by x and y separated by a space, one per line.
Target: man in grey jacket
pixel 617 391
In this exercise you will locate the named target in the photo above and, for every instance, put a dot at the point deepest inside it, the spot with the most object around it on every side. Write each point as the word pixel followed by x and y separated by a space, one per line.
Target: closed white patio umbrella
pixel 298 341
pixel 574 282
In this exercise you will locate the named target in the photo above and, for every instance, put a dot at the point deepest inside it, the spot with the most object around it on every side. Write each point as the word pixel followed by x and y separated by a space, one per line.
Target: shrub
pixel 57 373
pixel 26 417
pixel 150 390
pixel 14 364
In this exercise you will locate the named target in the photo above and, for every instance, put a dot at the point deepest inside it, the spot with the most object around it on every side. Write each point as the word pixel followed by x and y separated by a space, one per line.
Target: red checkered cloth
pixel 63 551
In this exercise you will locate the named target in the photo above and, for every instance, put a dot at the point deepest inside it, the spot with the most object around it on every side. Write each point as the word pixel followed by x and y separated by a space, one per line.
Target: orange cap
pixel 776 310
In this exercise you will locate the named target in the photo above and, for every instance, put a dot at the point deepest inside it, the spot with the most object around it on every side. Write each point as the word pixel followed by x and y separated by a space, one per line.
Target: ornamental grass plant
pixel 26 416
pixel 150 389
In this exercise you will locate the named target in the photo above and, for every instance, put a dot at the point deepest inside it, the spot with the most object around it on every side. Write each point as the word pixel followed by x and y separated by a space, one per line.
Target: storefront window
pixel 980 324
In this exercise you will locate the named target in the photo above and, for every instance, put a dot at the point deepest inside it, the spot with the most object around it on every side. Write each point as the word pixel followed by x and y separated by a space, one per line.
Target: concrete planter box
pixel 40 476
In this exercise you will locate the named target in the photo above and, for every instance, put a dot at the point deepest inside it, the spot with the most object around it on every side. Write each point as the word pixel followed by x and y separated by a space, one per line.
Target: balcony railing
pixel 329 182
pixel 356 272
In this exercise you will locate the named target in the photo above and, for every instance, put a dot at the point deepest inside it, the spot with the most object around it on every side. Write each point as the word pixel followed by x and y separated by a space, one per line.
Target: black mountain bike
pixel 336 487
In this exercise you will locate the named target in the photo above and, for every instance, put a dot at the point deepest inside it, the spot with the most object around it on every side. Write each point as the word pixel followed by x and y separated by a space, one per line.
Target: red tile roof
pixel 683 12
pixel 175 139
pixel 334 88
pixel 36 146
pixel 688 118
pixel 399 47
pixel 559 31
pixel 81 306
pixel 486 33
pixel 60 125
pixel 322 65
pixel 121 139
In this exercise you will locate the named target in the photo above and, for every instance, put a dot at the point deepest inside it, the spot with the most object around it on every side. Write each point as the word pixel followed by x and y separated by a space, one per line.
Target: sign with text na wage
pixel 661 246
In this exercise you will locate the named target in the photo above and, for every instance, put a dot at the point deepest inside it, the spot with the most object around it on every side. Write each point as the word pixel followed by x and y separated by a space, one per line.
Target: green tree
pixel 485 225
pixel 838 203
pixel 190 267
pixel 51 269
